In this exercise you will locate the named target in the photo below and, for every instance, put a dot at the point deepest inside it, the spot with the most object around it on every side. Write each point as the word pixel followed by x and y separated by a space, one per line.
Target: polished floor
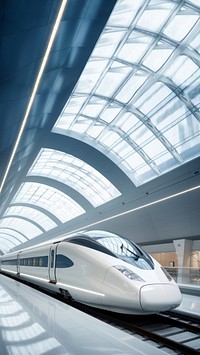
pixel 34 323
pixel 190 305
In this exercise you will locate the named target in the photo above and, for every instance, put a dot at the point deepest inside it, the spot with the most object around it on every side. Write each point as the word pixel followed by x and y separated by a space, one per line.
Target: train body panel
pixel 86 266
pixel 112 274
pixel 161 297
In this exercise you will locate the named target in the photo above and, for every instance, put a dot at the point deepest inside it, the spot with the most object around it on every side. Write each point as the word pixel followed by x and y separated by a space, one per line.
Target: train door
pixel 18 263
pixel 52 263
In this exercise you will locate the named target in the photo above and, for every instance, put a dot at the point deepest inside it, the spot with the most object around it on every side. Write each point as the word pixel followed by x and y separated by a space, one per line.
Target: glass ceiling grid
pixel 144 69
pixel 7 244
pixel 13 233
pixel 22 226
pixel 75 173
pixel 10 238
pixel 49 198
pixel 33 215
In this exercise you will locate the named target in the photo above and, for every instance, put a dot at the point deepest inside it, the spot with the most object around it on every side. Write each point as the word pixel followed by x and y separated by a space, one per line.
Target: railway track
pixel 172 334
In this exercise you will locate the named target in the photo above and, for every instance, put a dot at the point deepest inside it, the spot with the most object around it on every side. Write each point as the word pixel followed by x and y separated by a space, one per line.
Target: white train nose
pixel 160 297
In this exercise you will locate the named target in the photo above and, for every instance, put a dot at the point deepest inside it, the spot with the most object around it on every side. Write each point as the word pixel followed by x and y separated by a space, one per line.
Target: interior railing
pixel 185 275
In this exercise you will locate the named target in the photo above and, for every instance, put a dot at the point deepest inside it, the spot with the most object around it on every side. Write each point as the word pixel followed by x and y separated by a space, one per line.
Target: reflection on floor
pixel 32 323
pixel 190 305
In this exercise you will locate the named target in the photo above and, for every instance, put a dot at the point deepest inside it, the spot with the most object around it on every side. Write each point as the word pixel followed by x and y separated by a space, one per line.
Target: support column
pixel 183 248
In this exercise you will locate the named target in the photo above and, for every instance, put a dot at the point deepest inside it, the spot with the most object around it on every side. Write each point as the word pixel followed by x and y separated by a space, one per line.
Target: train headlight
pixel 128 273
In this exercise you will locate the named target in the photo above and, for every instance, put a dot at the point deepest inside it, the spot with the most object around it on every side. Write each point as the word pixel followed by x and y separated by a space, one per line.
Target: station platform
pixel 190 305
pixel 34 323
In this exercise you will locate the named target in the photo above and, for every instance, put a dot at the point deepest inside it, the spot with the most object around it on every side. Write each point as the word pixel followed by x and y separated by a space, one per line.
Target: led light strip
pixel 10 271
pixel 81 289
pixel 34 277
pixel 60 284
pixel 44 61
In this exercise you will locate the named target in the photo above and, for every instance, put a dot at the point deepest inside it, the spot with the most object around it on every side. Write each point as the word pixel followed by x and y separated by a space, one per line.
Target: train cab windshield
pixel 123 249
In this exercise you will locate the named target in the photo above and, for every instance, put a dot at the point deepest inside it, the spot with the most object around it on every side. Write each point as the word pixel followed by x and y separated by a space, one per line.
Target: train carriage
pixel 100 269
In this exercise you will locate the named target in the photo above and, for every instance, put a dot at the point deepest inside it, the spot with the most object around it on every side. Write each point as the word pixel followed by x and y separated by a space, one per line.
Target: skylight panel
pixel 192 91
pixel 180 26
pixel 157 58
pixel 9 238
pixel 74 105
pixel 136 58
pixel 196 2
pixel 81 125
pixel 93 69
pixel 181 69
pixel 134 161
pixel 75 173
pixel 159 17
pixel 165 161
pixel 130 87
pixel 31 213
pixel 95 130
pixel 168 114
pixel 110 113
pixel 124 12
pixel 145 173
pixel 195 43
pixel 189 148
pixel 13 233
pixel 152 98
pixel 108 43
pixel 7 244
pixel 154 148
pixel 110 138
pixel 122 149
pixel 22 226
pixel 94 107
pixel 141 135
pixel 184 130
pixel 63 124
pixel 49 198
pixel 112 80
pixel 126 125
pixel 134 49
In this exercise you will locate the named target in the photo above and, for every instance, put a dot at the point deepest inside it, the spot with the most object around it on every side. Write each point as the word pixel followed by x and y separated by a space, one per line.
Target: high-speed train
pixel 99 269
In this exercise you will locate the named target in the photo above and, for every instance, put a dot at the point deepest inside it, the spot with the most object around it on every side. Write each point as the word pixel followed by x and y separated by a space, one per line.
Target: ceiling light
pixel 35 88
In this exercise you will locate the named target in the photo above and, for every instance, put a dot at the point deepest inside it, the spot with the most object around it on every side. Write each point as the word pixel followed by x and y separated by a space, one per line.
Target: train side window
pixel 40 262
pixel 45 261
pixel 52 258
pixel 63 261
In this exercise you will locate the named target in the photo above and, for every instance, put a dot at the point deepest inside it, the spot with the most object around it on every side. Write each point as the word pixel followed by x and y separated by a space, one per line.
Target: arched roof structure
pixel 101 118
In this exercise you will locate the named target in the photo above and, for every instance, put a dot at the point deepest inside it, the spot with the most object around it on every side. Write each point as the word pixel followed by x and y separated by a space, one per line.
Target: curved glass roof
pixel 11 239
pixel 75 173
pixel 49 198
pixel 33 215
pixel 6 244
pixel 13 233
pixel 21 225
pixel 138 98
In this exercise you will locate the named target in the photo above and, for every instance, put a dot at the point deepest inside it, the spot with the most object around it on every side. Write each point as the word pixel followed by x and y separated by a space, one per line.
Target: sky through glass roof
pixel 75 173
pixel 50 199
pixel 33 215
pixel 137 100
